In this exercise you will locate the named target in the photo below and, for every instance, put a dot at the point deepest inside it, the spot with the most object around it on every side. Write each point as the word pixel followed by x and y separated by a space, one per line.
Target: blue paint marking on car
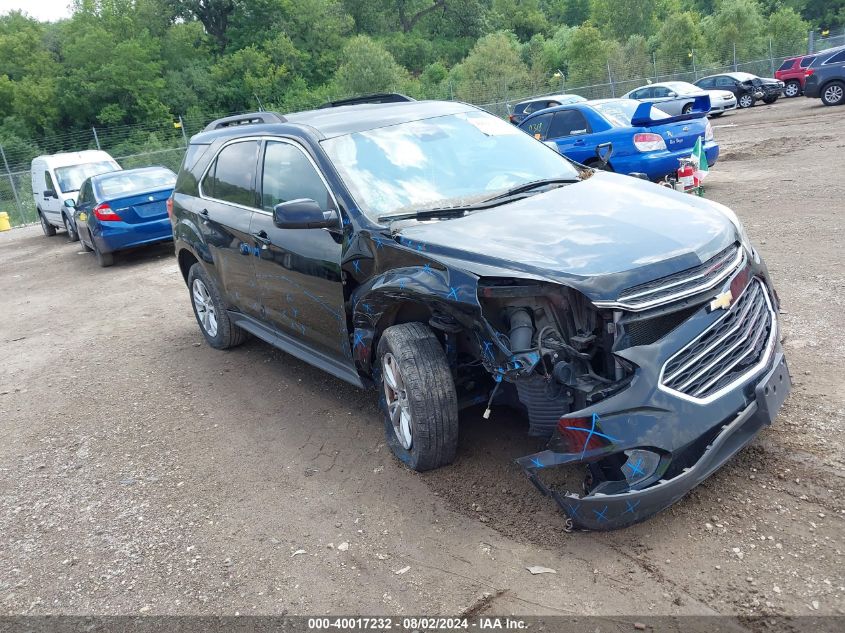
pixel 645 139
pixel 120 210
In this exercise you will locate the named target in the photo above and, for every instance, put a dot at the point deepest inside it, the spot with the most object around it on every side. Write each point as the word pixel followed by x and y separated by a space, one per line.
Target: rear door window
pixel 706 83
pixel 231 177
pixel 725 82
pixel 568 123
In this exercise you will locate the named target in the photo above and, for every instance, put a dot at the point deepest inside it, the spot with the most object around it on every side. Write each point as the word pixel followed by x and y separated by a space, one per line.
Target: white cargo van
pixel 56 178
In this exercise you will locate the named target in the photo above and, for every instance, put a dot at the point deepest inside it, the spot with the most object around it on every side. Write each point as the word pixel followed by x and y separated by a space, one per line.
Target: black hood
pixel 600 235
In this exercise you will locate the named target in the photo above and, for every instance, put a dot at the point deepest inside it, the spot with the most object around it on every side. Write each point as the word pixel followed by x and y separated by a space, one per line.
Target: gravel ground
pixel 143 472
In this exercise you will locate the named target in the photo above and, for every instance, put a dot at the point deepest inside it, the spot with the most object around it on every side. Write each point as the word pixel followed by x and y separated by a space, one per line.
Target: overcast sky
pixel 44 10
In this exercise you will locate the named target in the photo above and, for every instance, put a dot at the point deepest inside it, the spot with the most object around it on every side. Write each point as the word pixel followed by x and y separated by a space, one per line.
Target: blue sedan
pixel 645 139
pixel 123 209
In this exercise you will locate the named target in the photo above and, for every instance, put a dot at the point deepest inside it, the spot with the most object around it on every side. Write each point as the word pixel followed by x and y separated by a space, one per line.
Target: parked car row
pixel 104 207
pixel 644 139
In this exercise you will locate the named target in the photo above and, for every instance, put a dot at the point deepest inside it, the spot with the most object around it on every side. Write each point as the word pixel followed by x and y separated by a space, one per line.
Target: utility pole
pixel 735 68
pixel 694 71
pixel 610 79
pixel 182 127
pixel 12 183
pixel 96 138
pixel 654 62
pixel 771 58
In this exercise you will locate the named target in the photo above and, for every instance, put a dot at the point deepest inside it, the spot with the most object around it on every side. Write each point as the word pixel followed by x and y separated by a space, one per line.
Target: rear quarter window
pixel 806 62
pixel 787 64
pixel 835 59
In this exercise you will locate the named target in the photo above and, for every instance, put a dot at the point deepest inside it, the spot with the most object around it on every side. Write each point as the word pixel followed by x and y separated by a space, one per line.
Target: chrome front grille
pixel 727 351
pixel 682 284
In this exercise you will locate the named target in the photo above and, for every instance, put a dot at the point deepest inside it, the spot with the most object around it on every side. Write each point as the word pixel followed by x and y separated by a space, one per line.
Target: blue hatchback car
pixel 124 209
pixel 645 139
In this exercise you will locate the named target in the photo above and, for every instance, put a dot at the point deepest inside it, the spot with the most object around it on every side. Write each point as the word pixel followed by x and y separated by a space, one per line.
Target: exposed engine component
pixel 572 341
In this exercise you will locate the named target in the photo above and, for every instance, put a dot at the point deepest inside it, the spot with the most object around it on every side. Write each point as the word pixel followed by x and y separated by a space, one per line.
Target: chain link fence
pixel 164 143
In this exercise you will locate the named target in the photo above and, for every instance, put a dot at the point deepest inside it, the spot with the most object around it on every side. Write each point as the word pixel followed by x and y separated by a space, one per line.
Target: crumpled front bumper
pixel 612 511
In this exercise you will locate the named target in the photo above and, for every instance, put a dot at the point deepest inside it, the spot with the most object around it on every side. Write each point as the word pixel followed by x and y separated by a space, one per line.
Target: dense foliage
pixel 129 62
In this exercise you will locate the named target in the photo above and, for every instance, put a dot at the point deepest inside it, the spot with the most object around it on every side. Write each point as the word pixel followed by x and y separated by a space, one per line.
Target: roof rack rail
pixel 382 97
pixel 250 118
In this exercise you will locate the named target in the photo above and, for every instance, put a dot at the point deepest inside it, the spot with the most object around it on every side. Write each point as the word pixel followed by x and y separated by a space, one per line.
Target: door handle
pixel 579 142
pixel 262 238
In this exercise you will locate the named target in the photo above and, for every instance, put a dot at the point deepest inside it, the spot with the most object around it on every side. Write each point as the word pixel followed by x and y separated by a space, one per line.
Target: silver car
pixel 676 97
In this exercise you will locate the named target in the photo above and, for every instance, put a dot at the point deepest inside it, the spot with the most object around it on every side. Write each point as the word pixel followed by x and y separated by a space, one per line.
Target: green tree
pixel 678 37
pixel 493 70
pixel 788 31
pixel 525 18
pixel 621 19
pixel 587 54
pixel 736 23
pixel 368 67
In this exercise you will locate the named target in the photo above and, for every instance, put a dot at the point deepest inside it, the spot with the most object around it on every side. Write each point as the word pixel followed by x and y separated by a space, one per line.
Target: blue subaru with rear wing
pixel 123 209
pixel 645 140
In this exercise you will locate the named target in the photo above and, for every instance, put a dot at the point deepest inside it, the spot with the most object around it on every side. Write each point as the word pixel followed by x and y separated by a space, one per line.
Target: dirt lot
pixel 143 471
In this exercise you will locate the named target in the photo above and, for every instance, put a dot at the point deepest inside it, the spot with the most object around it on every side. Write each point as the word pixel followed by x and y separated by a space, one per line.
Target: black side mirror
pixel 49 193
pixel 303 213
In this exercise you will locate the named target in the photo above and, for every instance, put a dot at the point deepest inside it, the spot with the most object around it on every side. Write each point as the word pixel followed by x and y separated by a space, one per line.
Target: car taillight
pixel 808 72
pixel 169 205
pixel 104 213
pixel 708 131
pixel 649 142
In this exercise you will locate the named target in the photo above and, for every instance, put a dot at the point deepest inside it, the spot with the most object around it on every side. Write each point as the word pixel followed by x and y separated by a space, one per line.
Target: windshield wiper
pixel 534 184
pixel 489 203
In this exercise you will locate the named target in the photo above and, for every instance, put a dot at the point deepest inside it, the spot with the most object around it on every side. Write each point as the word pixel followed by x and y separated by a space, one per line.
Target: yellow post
pixel 4 221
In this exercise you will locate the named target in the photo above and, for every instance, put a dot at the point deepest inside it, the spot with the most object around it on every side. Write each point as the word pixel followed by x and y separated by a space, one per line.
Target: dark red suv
pixel 793 73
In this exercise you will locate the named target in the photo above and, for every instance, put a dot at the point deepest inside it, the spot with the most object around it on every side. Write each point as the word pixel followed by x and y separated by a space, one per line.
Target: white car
pixel 677 97
pixel 56 179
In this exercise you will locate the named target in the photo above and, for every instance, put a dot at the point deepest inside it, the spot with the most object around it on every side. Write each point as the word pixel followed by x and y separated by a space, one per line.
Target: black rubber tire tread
pixel 72 233
pixel 228 334
pixel 103 259
pixel 431 391
pixel 49 229
pixel 686 109
pixel 770 100
pixel 716 115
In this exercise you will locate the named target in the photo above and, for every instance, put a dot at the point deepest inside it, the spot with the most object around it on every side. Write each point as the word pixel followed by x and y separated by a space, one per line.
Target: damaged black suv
pixel 441 254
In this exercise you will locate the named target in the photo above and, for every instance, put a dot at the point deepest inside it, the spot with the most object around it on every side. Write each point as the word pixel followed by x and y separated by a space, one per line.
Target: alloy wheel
pixel 833 94
pixel 398 406
pixel 746 101
pixel 205 308
pixel 791 89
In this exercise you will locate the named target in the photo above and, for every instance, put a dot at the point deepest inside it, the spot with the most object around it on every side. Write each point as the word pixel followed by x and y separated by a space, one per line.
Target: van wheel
pixel 210 311
pixel 70 227
pixel 49 229
pixel 419 401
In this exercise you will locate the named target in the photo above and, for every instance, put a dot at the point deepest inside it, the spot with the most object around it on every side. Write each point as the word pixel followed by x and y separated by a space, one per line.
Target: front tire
pixel 745 101
pixel 770 100
pixel 210 311
pixel 70 227
pixel 420 404
pixel 833 93
pixel 792 89
pixel 49 229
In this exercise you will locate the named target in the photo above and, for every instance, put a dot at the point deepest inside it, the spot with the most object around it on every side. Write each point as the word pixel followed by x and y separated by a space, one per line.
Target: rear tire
pixel 49 229
pixel 716 115
pixel 770 100
pixel 103 259
pixel 70 227
pixel 210 311
pixel 833 93
pixel 792 89
pixel 686 109
pixel 420 404
pixel 745 101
